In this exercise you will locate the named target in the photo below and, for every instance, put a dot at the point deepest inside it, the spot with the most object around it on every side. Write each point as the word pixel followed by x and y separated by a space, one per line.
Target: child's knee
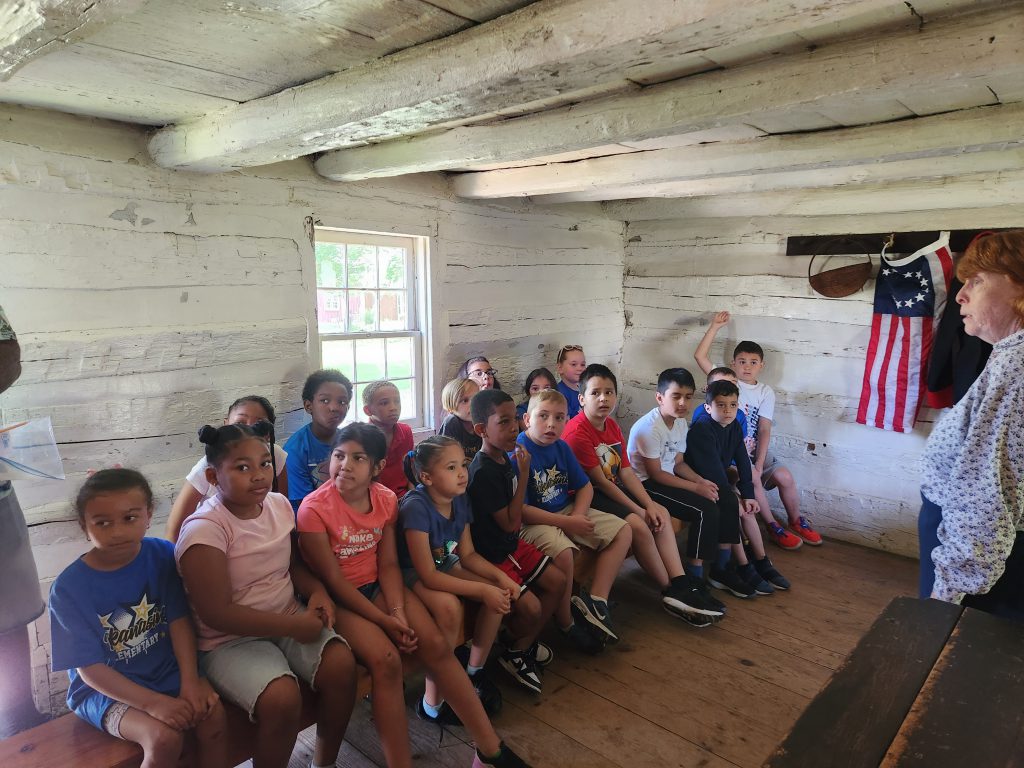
pixel 214 725
pixel 337 670
pixel 279 705
pixel 783 478
pixel 553 579
pixel 624 536
pixel 528 608
pixel 564 562
pixel 163 742
pixel 639 530
pixel 384 662
pixel 447 612
pixel 431 645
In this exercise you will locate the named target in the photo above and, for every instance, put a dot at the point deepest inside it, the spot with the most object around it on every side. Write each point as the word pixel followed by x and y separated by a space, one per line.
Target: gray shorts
pixel 241 669
pixel 410 577
pixel 21 600
pixel 771 466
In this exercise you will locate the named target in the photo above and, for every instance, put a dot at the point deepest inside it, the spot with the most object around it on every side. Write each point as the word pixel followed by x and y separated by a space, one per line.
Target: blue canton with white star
pixel 906 291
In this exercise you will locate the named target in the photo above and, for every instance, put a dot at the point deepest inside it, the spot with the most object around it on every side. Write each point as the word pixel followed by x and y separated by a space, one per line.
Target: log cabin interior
pixel 180 181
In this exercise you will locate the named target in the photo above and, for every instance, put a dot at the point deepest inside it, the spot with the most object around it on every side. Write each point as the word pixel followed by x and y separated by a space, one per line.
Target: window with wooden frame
pixel 371 314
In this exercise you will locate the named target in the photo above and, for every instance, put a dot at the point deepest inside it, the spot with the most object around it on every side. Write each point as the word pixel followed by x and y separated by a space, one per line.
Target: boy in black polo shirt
pixel 497 492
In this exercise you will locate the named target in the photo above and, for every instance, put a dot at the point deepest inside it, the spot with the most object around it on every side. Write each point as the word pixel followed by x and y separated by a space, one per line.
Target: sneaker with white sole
pixel 685 596
pixel 770 574
pixel 728 580
pixel 755 580
pixel 523 668
pixel 595 612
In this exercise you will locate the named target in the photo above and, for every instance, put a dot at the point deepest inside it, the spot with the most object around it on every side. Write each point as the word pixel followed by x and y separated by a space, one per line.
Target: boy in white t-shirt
pixel 757 400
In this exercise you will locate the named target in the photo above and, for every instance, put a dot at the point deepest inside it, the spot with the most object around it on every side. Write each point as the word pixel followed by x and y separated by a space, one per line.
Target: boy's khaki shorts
pixel 553 541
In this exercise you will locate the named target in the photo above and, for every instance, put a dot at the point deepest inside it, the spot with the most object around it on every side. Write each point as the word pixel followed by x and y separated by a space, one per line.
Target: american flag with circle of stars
pixel 910 294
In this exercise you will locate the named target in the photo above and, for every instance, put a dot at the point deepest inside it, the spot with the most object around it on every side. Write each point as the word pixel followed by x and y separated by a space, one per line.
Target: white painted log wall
pixel 858 483
pixel 146 300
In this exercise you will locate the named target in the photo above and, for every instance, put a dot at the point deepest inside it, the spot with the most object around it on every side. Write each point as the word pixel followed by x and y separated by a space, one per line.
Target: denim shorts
pixel 370 591
pixel 240 669
pixel 410 577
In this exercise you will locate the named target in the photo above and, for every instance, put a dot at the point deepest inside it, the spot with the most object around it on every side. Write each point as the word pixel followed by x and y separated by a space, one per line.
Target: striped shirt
pixel 973 468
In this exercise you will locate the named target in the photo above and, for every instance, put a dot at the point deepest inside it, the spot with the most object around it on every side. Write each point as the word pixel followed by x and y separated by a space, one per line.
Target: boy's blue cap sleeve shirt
pixel 308 464
pixel 572 398
pixel 121 619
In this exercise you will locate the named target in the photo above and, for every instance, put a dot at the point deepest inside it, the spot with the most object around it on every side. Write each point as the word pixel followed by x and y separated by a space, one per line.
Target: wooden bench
pixel 929 685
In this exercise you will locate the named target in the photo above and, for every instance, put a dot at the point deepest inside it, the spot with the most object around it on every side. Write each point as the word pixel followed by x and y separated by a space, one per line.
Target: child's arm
pixel 318 602
pixel 746 486
pixel 418 543
pixel 682 477
pixel 389 576
pixel 316 551
pixel 282 480
pixel 204 569
pixel 480 566
pixel 704 457
pixel 702 355
pixel 197 692
pixel 764 435
pixel 612 491
pixel 510 518
pixel 177 713
pixel 186 503
pixel 654 513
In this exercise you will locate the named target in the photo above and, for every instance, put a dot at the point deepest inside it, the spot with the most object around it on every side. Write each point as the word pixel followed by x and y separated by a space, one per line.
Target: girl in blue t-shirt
pixel 435 518
pixel 120 626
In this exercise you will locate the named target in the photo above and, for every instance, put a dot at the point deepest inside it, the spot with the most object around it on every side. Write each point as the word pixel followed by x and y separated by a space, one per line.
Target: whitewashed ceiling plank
pixel 944 57
pixel 549 48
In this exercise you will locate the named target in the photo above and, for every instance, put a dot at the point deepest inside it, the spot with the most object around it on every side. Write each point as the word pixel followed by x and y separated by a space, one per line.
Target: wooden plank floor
pixel 670 695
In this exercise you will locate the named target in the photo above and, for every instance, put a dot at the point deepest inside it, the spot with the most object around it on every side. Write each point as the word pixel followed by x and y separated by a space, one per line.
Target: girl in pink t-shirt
pixel 241 572
pixel 347 535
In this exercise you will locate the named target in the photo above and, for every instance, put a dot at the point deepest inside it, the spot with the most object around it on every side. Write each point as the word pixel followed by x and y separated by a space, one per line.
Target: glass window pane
pixel 362 311
pixel 330 265
pixel 399 358
pixel 369 361
pixel 392 267
pixel 405 389
pixel 330 311
pixel 338 355
pixel 394 310
pixel 362 266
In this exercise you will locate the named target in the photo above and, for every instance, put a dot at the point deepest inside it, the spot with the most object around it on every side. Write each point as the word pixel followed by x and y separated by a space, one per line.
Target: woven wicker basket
pixel 844 281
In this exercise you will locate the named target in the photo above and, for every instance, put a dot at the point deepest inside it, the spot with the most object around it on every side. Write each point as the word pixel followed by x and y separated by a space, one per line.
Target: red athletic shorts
pixel 525 564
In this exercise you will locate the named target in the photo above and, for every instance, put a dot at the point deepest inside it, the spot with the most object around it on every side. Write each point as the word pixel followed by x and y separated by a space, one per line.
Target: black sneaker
pixel 770 574
pixel 486 691
pixel 754 579
pixel 583 639
pixel 706 593
pixel 505 758
pixel 445 714
pixel 730 581
pixel 586 608
pixel 684 596
pixel 523 668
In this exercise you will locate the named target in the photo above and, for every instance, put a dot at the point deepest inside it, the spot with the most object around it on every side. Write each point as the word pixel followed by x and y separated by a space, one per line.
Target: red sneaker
pixel 804 531
pixel 784 538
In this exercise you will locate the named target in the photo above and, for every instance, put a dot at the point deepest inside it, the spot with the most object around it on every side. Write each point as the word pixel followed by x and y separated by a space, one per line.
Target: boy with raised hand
pixel 597 443
pixel 757 400
pixel 559 517
pixel 497 491
pixel 711 447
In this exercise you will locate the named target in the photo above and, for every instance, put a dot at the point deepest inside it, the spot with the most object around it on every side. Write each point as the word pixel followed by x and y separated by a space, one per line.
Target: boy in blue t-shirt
pixel 558 514
pixel 325 396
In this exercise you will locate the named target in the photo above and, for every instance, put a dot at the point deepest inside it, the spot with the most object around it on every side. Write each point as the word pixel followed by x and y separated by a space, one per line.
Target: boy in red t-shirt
pixel 383 404
pixel 598 445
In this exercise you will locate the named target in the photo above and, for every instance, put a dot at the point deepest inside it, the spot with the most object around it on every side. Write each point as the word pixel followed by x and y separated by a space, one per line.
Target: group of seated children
pixel 384 541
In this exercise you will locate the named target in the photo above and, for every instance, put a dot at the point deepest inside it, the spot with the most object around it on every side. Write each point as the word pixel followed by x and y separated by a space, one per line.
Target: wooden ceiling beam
pixel 31 28
pixel 998 189
pixel 946 56
pixel 551 49
pixel 919 148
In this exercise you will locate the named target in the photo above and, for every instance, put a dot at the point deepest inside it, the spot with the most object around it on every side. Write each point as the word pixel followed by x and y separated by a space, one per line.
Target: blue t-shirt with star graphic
pixel 554 473
pixel 119 618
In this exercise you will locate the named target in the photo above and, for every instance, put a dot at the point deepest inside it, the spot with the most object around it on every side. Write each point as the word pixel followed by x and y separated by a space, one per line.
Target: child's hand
pixel 720 319
pixel 306 627
pixel 707 489
pixel 750 443
pixel 578 525
pixel 322 606
pixel 510 586
pixel 751 507
pixel 657 516
pixel 522 462
pixel 175 712
pixel 200 697
pixel 401 634
pixel 497 599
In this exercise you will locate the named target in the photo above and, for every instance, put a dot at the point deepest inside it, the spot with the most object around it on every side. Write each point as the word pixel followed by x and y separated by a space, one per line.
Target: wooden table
pixel 930 685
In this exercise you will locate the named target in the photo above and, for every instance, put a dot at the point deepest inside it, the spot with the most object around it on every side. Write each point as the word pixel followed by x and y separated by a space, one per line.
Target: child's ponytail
pixel 421 458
